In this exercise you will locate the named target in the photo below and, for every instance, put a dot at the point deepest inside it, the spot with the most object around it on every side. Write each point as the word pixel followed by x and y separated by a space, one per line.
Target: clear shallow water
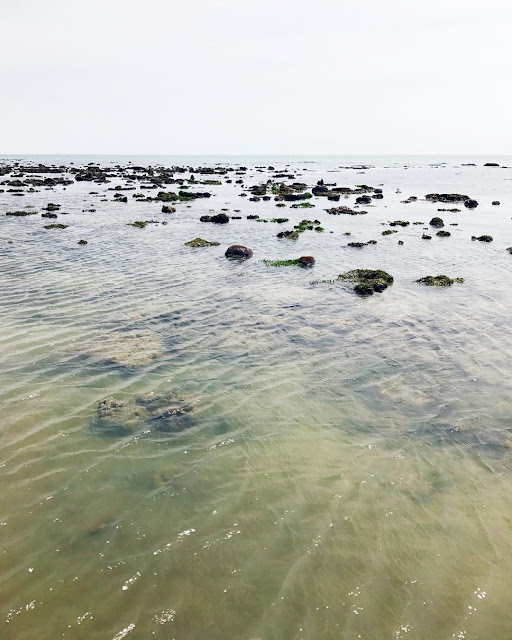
pixel 348 471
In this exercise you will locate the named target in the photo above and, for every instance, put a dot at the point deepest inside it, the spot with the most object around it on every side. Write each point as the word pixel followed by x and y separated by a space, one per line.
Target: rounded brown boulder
pixel 238 251
pixel 306 261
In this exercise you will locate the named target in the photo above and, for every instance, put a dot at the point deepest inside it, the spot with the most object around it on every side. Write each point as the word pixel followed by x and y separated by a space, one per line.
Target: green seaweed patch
pixel 140 224
pixel 439 281
pixel 199 242
pixel 21 213
pixel 319 229
pixel 388 232
pixel 282 263
pixel 56 226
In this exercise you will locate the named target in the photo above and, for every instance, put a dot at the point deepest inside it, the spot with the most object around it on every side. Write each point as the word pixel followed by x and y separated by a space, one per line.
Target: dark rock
pixel 437 222
pixel 495 202
pixel 168 209
pixel 238 251
pixel 471 204
pixel 306 261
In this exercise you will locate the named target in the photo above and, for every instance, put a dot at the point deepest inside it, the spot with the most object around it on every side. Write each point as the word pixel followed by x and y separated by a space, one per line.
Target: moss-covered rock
pixel 199 242
pixel 439 281
pixel 443 234
pixel 366 281
pixel 437 222
pixel 56 226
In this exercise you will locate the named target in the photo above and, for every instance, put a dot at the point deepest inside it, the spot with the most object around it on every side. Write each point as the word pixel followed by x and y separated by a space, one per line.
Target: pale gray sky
pixel 256 76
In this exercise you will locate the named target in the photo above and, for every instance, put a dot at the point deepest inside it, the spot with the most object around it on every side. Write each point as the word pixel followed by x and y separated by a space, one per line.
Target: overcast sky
pixel 256 76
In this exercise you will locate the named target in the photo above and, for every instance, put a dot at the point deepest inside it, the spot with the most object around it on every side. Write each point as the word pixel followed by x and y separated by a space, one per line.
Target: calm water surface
pixel 347 474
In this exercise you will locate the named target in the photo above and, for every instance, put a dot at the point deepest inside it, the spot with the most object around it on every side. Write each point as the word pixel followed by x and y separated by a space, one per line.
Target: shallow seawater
pixel 345 470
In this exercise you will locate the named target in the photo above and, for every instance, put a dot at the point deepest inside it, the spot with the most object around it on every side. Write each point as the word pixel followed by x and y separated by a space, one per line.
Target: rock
pixel 482 238
pixel 471 204
pixel 337 211
pixel 130 349
pixel 426 237
pixel 437 222
pixel 443 234
pixel 168 413
pixel 288 234
pixel 199 242
pixel 118 418
pixel 48 215
pixel 56 226
pixel 306 261
pixel 446 197
pixel 439 281
pixel 491 164
pixel 363 200
pixel 168 209
pixel 82 242
pixel 238 251
pixel 52 207
pixel 367 280
pixel 495 202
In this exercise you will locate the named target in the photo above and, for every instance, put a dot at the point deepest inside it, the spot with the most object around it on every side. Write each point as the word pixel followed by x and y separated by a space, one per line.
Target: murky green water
pixel 347 473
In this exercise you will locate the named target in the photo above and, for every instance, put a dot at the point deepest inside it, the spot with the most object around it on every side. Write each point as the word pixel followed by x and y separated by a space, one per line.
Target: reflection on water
pixel 298 462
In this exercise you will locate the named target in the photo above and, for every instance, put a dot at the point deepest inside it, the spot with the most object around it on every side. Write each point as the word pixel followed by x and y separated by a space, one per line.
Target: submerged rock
pixel 127 348
pixel 116 417
pixel 167 412
pixel 238 251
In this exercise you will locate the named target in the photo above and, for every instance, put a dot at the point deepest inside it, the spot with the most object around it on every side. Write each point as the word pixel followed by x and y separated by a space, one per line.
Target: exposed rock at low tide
pixel 238 251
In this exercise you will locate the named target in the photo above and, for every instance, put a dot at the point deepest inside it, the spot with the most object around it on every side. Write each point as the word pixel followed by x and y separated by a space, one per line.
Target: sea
pixel 288 460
